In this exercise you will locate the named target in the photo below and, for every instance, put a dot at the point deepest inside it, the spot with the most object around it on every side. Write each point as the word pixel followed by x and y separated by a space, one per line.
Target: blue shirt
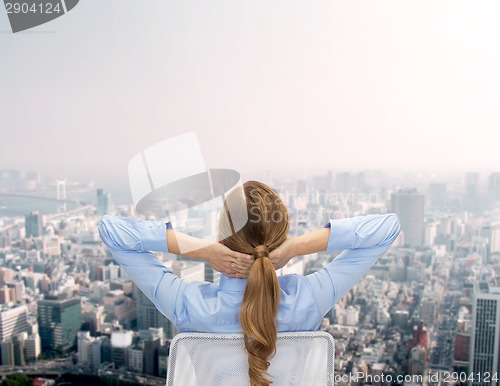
pixel 207 307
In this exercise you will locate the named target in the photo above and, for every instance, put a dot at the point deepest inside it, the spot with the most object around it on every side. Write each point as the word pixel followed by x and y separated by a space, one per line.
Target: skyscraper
pixel 409 205
pixel 102 202
pixel 471 199
pixel 494 190
pixel 437 195
pixel 33 224
pixel 59 320
pixel 13 320
pixel 485 336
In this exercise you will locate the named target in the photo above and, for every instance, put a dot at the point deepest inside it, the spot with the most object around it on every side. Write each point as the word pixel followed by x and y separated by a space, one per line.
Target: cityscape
pixel 428 313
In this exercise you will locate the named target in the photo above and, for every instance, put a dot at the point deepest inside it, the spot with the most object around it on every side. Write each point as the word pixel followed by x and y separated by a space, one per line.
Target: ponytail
pixel 260 304
pixel 258 313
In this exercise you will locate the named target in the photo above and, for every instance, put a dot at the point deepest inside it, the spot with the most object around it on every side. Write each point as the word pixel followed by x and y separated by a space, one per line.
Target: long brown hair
pixel 254 220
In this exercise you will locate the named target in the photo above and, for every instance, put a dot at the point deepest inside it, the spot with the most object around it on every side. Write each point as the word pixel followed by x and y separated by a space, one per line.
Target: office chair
pixel 208 359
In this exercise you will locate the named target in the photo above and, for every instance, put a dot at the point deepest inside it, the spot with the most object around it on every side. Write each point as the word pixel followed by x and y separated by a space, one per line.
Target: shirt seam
pixel 155 299
pixel 312 293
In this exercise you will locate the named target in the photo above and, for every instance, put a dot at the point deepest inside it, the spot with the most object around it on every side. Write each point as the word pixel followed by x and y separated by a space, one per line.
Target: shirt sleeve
pixel 364 240
pixel 130 242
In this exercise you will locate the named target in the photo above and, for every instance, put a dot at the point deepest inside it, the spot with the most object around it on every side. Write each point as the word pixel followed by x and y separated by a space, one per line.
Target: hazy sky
pixel 289 84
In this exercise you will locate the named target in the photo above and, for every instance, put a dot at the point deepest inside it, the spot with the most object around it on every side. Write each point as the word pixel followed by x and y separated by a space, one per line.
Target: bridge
pixel 32 197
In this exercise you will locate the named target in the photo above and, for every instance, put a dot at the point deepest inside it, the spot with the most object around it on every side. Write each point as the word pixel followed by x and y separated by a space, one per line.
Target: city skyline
pixel 345 109
pixel 413 314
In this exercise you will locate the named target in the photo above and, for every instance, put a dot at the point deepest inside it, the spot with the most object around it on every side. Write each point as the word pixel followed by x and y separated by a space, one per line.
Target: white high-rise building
pixel 33 347
pixel 13 320
pixel 485 337
pixel 430 234
pixel 89 350
pixel 492 233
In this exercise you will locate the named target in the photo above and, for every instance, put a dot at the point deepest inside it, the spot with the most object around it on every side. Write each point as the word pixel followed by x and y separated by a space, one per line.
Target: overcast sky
pixel 339 85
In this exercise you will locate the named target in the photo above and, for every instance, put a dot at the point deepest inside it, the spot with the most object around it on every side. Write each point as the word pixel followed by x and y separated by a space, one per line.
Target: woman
pixel 253 242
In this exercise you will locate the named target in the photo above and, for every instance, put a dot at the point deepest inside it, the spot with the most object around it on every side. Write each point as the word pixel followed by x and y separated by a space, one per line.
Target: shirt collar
pixel 232 284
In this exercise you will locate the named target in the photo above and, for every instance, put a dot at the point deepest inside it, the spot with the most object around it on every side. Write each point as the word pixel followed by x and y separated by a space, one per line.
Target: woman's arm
pixel 130 242
pixel 306 244
pixel 220 257
pixel 364 240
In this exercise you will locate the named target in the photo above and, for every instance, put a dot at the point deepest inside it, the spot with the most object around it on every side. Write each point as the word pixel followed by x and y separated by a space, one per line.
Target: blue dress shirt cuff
pixel 342 234
pixel 133 234
pixel 156 239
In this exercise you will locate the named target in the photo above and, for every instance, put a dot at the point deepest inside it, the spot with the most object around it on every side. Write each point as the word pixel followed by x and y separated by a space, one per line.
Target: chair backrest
pixel 200 359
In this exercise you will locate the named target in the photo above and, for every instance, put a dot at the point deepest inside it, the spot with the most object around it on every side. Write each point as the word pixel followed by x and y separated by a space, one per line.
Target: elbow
pixel 395 226
pixel 103 228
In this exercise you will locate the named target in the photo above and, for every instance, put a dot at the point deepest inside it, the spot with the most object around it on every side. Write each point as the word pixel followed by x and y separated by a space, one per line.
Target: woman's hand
pixel 227 261
pixel 279 257
pixel 220 257
pixel 284 253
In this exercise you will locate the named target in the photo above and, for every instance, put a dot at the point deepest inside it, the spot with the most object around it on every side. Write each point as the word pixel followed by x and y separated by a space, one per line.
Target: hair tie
pixel 260 251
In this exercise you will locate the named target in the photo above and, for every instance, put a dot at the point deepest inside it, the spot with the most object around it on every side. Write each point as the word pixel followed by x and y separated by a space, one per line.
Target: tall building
pixel 16 289
pixel 102 202
pixel 13 321
pixel 7 353
pixel 485 334
pixel 492 233
pixel 120 344
pixel 420 338
pixel 136 354
pixel 437 195
pixel 163 354
pixel 461 352
pixel 33 224
pixel 89 350
pixel 6 275
pixel 151 347
pixel 19 348
pixel 59 320
pixel 471 198
pixel 33 346
pixel 409 205
pixel 494 190
pixel 93 316
pixel 428 310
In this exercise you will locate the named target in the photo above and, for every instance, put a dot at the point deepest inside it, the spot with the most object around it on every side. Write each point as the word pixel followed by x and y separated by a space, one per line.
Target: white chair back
pixel 206 359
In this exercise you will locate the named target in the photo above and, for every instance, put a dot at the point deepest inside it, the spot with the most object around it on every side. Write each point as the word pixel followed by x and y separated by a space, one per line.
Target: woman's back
pixel 253 221
pixel 203 306
pixel 209 307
